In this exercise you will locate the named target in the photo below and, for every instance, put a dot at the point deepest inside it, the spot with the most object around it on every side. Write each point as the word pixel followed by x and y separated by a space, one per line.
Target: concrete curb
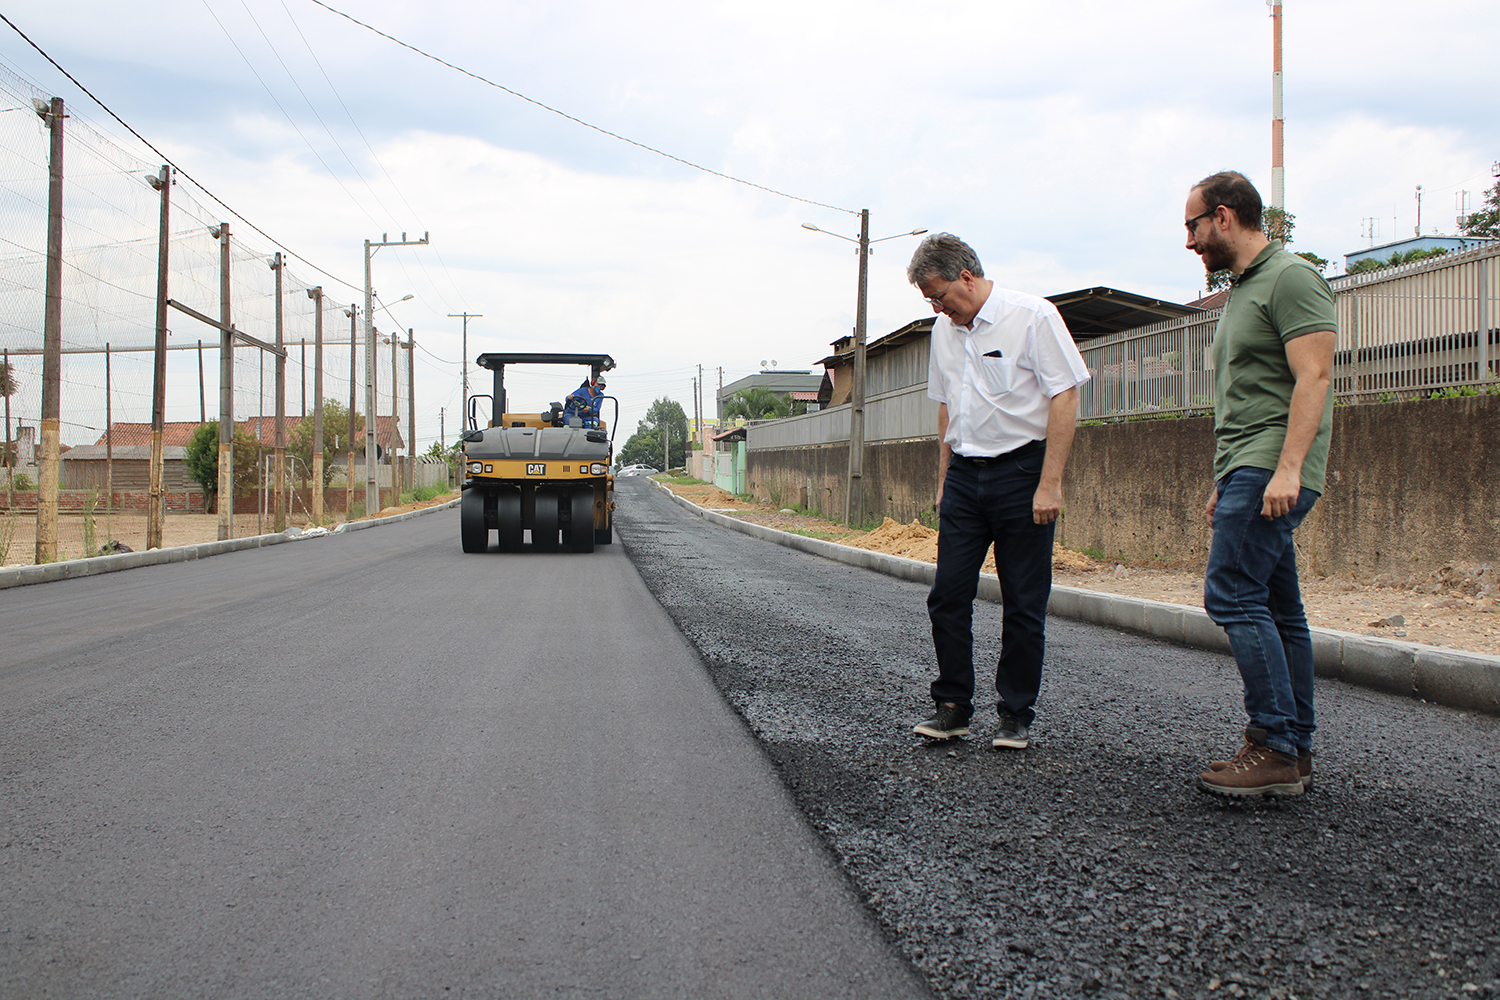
pixel 68 569
pixel 1469 681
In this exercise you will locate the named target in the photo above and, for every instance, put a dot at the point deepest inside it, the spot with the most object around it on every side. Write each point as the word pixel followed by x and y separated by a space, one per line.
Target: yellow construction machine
pixel 541 471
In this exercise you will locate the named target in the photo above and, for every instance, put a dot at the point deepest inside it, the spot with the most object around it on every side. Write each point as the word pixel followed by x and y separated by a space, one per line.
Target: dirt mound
pixel 917 541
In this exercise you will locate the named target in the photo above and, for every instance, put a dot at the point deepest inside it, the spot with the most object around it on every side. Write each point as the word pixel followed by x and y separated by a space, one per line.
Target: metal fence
pixel 1402 332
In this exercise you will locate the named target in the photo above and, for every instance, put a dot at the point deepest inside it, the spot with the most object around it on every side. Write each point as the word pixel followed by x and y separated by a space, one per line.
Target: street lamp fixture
pixel 854 496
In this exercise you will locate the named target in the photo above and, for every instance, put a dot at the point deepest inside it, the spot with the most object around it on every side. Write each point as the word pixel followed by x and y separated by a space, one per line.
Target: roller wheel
pixel 508 520
pixel 472 532
pixel 581 530
pixel 544 531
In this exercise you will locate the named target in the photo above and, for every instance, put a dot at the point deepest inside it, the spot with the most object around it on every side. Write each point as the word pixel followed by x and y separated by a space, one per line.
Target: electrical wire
pixel 169 161
pixel 578 121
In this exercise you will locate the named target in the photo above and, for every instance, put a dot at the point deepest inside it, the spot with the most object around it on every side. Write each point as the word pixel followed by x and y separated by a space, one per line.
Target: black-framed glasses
pixel 1192 224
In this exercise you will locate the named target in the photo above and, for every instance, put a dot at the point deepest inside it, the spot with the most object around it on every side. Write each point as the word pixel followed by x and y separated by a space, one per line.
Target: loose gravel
pixel 1090 865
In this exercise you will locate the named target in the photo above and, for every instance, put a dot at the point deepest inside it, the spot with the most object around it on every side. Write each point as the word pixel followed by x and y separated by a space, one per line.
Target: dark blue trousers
pixel 983 504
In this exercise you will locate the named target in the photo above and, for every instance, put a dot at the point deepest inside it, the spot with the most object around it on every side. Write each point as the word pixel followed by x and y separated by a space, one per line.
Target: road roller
pixel 541 473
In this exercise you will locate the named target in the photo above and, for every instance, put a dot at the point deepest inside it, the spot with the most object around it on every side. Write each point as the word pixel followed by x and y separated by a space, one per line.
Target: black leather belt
pixel 1025 449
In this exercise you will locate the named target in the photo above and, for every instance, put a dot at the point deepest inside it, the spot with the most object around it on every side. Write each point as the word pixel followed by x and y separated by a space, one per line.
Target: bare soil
pixel 1455 607
pixel 18 532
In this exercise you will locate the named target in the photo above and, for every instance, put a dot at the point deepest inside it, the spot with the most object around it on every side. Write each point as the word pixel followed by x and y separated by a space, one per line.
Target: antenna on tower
pixel 1417 230
pixel 1278 120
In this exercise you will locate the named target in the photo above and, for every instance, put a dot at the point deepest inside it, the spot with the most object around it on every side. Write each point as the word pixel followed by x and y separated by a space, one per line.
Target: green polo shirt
pixel 1279 297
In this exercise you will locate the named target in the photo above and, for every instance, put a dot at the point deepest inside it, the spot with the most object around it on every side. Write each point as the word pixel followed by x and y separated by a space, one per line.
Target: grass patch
pixel 421 494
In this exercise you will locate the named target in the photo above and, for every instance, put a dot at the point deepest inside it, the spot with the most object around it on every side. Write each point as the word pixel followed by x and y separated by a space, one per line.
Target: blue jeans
pixel 984 504
pixel 1251 590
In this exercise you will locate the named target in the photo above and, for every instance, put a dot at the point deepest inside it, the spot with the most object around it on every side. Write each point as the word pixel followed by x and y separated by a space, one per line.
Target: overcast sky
pixel 1058 138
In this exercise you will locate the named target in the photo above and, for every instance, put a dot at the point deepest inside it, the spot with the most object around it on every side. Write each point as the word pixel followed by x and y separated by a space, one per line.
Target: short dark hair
pixel 1232 189
pixel 944 256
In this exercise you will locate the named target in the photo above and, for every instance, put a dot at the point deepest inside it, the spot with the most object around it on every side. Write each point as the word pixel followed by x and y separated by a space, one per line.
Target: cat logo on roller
pixel 545 473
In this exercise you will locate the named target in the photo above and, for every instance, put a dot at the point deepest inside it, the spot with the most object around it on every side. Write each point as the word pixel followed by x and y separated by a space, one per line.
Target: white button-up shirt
pixel 998 376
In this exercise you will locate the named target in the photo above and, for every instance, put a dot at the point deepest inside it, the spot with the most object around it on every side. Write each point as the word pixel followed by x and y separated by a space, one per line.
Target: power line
pixel 579 121
pixel 168 160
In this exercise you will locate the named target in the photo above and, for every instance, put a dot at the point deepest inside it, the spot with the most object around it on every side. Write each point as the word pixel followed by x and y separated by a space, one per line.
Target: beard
pixel 1216 252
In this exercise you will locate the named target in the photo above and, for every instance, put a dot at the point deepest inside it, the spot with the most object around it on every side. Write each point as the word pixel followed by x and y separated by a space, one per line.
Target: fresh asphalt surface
pixel 1090 865
pixel 370 766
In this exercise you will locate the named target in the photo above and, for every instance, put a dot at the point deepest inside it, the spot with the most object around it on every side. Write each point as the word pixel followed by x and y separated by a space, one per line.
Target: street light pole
pixel 372 490
pixel 854 494
pixel 466 317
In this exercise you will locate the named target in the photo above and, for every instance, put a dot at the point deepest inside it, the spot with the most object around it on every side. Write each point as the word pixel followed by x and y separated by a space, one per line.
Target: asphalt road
pixel 369 766
pixel 1090 865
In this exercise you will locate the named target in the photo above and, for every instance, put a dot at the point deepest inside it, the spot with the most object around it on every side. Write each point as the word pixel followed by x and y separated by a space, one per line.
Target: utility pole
pixel 278 523
pixel 411 409
pixel 226 391
pixel 155 501
pixel 202 397
pixel 854 512
pixel 372 488
pixel 854 496
pixel 316 294
pixel 1278 119
pixel 395 417
pixel 353 313
pixel 51 423
pixel 464 407
pixel 109 440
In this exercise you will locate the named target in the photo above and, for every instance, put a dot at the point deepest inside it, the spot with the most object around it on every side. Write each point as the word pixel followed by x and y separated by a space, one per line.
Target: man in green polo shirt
pixel 1273 412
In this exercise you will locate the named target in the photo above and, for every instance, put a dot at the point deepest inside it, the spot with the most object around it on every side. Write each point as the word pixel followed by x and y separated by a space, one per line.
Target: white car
pixel 637 470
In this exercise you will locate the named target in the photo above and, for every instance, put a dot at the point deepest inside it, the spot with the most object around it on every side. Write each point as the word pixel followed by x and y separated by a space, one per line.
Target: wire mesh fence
pixel 112 219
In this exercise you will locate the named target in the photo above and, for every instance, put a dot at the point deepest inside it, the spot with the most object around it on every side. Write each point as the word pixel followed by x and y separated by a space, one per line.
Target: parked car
pixel 637 470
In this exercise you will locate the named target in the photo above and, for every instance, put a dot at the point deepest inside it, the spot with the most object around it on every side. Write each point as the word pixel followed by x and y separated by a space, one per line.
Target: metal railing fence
pixel 1405 331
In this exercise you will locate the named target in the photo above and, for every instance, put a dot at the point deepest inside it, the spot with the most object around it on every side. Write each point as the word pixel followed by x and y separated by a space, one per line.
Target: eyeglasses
pixel 1192 224
pixel 937 300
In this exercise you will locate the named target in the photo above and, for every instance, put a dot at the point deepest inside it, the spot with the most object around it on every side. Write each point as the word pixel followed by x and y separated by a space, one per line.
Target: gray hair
pixel 944 256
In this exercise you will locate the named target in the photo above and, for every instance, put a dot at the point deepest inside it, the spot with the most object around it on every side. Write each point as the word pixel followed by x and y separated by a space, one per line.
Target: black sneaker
pixel 948 721
pixel 1013 733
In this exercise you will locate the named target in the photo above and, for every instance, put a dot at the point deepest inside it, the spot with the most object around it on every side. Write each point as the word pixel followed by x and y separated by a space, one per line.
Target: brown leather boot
pixel 1304 764
pixel 1256 771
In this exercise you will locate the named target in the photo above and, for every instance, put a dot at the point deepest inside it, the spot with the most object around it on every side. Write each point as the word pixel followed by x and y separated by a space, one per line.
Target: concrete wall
pixel 1412 487
pixel 900 478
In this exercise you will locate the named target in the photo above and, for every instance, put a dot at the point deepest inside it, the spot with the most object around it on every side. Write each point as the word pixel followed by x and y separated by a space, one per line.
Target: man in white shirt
pixel 1005 373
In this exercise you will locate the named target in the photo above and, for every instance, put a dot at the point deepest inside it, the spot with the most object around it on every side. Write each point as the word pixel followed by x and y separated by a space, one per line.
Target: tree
pixel 1321 263
pixel 645 445
pixel 1277 224
pixel 202 459
pixel 299 440
pixel 1486 221
pixel 452 454
pixel 758 404
pixel 1399 257
pixel 643 448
